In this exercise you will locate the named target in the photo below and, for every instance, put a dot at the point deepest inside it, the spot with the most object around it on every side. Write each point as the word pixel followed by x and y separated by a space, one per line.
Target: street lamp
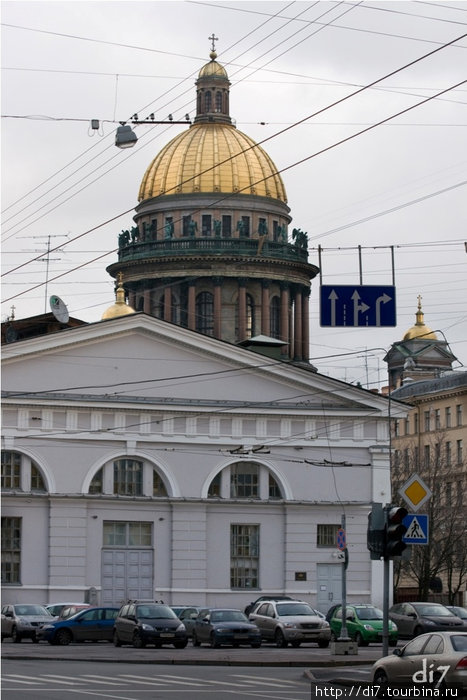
pixel 125 137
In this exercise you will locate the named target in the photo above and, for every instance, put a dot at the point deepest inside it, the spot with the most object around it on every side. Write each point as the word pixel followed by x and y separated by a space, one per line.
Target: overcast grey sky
pixel 400 184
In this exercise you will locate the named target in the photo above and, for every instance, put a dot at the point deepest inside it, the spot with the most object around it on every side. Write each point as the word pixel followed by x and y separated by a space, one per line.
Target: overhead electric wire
pixel 343 99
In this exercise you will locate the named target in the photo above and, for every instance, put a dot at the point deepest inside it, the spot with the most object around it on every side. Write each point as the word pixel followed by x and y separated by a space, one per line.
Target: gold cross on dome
pixel 213 38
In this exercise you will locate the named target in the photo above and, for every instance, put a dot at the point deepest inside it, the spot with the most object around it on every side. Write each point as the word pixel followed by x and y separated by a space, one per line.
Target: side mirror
pixel 397 652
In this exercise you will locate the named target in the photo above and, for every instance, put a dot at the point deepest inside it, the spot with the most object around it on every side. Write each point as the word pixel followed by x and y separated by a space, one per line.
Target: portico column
pixel 298 324
pixel 241 309
pixel 265 310
pixel 192 305
pixel 217 307
pixel 168 301
pixel 306 324
pixel 147 301
pixel 284 331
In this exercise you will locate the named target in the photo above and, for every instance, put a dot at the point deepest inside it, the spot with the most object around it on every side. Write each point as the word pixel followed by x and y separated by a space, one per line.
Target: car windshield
pixel 31 610
pixel 460 612
pixel 160 612
pixel 437 610
pixel 459 642
pixel 228 616
pixel 369 613
pixel 284 609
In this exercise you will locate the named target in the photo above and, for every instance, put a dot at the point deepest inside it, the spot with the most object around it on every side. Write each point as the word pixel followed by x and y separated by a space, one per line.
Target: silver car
pixel 436 659
pixel 23 621
pixel 291 621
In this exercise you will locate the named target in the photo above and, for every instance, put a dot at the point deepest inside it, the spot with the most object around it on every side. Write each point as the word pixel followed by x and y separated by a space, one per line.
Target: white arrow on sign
pixel 381 300
pixel 357 307
pixel 333 297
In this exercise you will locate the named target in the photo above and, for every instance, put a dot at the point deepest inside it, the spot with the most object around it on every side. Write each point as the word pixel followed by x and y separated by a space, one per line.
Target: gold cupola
pixel 212 156
pixel 420 330
pixel 120 308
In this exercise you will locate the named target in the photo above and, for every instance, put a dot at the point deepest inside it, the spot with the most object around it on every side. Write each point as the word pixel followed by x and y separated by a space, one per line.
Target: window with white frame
pixel 119 533
pixel 459 415
pixel 244 480
pixel 327 535
pixel 244 556
pixel 128 477
pixel 20 473
pixel 11 550
pixel 125 477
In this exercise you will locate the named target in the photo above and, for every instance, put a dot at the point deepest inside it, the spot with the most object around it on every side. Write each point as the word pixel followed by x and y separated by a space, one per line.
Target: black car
pixel 217 626
pixel 148 623
pixel 416 618
pixel 249 608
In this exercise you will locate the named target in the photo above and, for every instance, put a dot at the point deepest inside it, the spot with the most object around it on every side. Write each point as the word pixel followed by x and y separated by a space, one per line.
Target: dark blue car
pixel 92 624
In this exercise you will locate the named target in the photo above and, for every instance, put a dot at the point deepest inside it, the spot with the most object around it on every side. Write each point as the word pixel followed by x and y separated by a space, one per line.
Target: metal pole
pixel 344 634
pixel 386 606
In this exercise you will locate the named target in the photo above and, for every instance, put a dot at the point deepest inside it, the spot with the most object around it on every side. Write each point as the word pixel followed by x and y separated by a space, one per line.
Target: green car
pixel 364 625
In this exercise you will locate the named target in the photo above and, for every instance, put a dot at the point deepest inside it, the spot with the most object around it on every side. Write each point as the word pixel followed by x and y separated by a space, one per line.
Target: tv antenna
pixel 46 258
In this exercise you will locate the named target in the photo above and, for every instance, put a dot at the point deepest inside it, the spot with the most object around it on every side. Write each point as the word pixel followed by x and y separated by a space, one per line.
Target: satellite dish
pixel 59 309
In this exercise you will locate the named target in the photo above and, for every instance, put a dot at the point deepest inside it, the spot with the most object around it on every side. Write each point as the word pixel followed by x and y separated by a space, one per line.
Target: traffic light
pixel 395 531
pixel 376 534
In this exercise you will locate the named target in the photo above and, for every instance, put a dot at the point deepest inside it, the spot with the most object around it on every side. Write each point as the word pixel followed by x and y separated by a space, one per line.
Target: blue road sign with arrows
pixel 417 529
pixel 357 306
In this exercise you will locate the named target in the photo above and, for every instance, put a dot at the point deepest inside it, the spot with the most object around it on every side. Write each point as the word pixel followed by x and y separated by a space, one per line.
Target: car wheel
pixel 15 636
pixel 196 642
pixel 181 645
pixel 214 643
pixel 63 637
pixel 116 640
pixel 280 640
pixel 360 641
pixel 138 641
pixel 323 644
pixel 380 678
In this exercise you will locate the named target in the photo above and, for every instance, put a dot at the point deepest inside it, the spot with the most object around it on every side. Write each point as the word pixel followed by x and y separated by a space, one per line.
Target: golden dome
pixel 420 330
pixel 120 308
pixel 214 157
pixel 213 69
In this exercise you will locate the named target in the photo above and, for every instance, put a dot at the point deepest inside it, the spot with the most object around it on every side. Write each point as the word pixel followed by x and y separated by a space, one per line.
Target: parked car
pixel 70 610
pixel 92 624
pixel 217 626
pixel 364 624
pixel 250 607
pixel 331 611
pixel 442 654
pixel 148 623
pixel 23 621
pixel 56 608
pixel 187 614
pixel 291 621
pixel 459 612
pixel 413 619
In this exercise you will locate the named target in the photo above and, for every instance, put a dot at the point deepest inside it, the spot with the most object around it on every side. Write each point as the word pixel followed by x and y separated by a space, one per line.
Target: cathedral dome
pixel 212 157
pixel 120 307
pixel 213 69
pixel 420 330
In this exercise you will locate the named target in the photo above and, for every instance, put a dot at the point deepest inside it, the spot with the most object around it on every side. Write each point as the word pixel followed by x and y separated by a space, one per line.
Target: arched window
pixel 274 316
pixel 207 101
pixel 19 473
pixel 250 316
pixel 205 313
pixel 126 478
pixel 245 480
pixel 218 101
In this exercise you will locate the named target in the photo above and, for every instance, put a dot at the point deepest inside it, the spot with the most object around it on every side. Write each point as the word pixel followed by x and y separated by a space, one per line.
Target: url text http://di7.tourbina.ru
pixel 375 691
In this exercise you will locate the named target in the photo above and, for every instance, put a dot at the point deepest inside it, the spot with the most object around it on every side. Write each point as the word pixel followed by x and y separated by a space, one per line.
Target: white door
pixel 329 586
pixel 127 574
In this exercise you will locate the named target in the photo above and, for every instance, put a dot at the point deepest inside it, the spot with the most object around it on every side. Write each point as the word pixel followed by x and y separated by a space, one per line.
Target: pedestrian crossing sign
pixel 417 529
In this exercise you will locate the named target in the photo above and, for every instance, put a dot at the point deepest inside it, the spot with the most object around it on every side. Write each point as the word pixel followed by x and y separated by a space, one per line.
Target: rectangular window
pixel 244 480
pixel 11 550
pixel 426 415
pixel 327 535
pixel 427 456
pixel 448 454
pixel 128 477
pixel 406 458
pixel 245 230
pixel 186 221
pixel 244 556
pixel 447 414
pixel 415 423
pixel 11 470
pixel 459 415
pixel 407 426
pixel 396 428
pixel 437 419
pixel 118 533
pixel 226 225
pixel 459 452
pixel 206 224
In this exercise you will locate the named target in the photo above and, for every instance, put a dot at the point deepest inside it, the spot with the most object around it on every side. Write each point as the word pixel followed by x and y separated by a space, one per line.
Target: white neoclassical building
pixel 141 459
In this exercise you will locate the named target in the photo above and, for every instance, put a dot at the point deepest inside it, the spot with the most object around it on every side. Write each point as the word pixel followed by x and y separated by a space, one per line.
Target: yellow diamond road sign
pixel 415 492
